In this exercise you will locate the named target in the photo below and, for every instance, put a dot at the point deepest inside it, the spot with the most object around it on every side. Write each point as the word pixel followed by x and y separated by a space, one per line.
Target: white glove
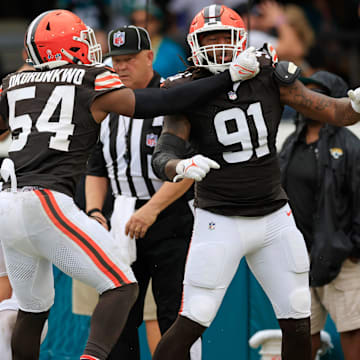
pixel 245 66
pixel 7 172
pixel 195 168
pixel 354 96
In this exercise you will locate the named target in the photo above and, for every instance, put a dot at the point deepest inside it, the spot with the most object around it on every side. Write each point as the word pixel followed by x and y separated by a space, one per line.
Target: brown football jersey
pixel 238 130
pixel 52 128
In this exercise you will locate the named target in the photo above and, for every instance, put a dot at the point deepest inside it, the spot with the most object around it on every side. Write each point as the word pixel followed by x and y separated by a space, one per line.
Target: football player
pixel 54 113
pixel 242 209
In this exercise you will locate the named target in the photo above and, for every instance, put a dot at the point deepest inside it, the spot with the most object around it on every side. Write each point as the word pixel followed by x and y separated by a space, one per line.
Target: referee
pixel 156 213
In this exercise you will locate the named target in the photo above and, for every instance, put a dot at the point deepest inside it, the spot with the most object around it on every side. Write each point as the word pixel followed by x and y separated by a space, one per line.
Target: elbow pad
pixel 286 72
pixel 168 147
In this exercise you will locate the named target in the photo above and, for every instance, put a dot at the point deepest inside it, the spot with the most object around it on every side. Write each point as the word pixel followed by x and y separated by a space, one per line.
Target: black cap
pixel 128 40
pixel 334 85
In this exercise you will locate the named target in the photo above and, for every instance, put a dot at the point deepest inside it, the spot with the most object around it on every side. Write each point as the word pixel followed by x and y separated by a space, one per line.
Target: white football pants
pixel 42 227
pixel 275 252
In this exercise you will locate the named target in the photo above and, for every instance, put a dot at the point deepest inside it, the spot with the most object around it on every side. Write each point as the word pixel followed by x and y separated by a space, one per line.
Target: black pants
pixel 161 256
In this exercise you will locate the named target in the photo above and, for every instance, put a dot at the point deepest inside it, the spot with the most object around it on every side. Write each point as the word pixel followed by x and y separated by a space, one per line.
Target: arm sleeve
pixel 168 147
pixel 96 165
pixel 153 102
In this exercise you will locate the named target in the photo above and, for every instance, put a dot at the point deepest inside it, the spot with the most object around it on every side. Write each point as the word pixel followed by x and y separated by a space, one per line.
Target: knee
pixel 202 309
pixel 300 302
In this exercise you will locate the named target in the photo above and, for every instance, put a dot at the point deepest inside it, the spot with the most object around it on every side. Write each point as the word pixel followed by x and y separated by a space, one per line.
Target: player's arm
pixel 95 193
pixel 172 146
pixel 96 185
pixel 339 112
pixel 2 124
pixel 173 156
pixel 151 102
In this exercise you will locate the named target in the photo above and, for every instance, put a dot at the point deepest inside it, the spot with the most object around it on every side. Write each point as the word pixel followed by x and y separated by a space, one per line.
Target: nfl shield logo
pixel 119 38
pixel 151 140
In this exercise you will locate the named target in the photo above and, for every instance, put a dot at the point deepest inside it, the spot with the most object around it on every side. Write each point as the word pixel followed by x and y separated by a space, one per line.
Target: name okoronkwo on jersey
pixel 53 130
pixel 238 130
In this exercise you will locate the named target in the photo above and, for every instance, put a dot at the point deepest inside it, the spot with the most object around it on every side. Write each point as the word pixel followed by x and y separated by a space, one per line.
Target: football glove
pixel 245 66
pixel 272 52
pixel 195 168
pixel 7 172
pixel 354 96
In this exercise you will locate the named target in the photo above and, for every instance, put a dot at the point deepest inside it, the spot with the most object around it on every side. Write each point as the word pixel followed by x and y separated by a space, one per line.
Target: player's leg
pixel 83 249
pixel 214 256
pixel 128 346
pixel 32 282
pixel 281 266
pixel 30 275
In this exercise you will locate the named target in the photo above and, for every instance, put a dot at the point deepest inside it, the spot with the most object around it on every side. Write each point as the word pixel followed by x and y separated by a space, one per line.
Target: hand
pixel 100 218
pixel 140 221
pixel 272 15
pixel 354 96
pixel 195 168
pixel 245 66
pixel 272 52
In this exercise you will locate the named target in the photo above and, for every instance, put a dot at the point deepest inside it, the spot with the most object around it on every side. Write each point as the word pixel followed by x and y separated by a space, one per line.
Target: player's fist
pixel 195 168
pixel 272 52
pixel 245 66
pixel 354 96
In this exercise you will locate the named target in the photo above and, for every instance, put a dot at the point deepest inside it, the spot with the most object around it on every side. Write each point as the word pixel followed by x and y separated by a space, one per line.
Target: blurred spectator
pixel 269 22
pixel 185 9
pixel 94 13
pixel 324 196
pixel 167 52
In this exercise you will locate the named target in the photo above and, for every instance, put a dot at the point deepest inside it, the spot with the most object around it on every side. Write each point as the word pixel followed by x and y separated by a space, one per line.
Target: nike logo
pixel 288 213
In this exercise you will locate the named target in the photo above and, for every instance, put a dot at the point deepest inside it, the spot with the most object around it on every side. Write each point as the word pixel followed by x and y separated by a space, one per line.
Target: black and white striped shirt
pixel 123 153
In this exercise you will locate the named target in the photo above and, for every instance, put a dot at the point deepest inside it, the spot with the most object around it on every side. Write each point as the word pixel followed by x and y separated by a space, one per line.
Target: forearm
pixel 319 107
pixel 154 102
pixel 169 150
pixel 3 125
pixel 167 194
pixel 95 191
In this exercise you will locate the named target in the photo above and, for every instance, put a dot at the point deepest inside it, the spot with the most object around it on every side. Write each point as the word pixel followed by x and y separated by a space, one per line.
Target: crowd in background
pixel 323 33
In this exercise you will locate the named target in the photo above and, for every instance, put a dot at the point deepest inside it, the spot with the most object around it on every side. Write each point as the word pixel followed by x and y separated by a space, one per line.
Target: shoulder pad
pixel 286 72
pixel 176 79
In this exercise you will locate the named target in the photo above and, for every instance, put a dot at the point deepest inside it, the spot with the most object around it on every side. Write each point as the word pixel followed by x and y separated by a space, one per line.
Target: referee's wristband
pixel 91 211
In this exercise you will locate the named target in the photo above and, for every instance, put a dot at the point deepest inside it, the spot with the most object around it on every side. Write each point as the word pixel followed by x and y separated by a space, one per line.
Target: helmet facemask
pixel 208 55
pixel 87 37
